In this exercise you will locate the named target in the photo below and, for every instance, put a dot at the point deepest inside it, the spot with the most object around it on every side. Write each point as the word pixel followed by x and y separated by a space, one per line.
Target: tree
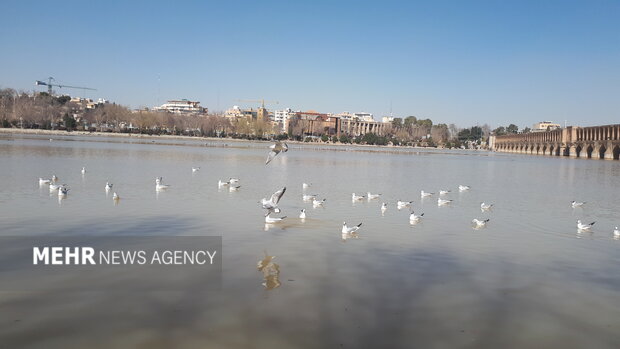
pixel 69 122
pixel 410 120
pixel 527 130
pixel 500 131
pixel 424 123
pixel 397 122
pixel 512 129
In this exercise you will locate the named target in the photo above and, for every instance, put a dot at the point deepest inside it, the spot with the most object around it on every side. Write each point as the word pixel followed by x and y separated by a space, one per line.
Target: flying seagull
pixel 271 205
pixel 275 150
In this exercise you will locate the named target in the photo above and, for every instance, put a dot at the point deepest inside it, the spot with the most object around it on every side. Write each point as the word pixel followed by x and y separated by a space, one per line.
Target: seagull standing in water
pixel 424 194
pixel 584 227
pixel 372 196
pixel 403 204
pixel 276 149
pixel 485 207
pixel 222 184
pixel 63 191
pixel 413 218
pixel 83 170
pixel 349 232
pixel 318 203
pixel 44 181
pixel 159 184
pixel 442 202
pixel 444 192
pixel 108 186
pixel 233 180
pixel 616 233
pixel 302 215
pixel 464 187
pixel 576 204
pixel 305 186
pixel 54 178
pixel 271 205
pixel 357 197
pixel 195 169
pixel 383 208
pixel 115 197
pixel 305 197
pixel 479 223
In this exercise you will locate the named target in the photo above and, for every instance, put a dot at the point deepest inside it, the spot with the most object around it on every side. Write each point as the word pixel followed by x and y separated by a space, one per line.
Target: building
pixel 281 117
pixel 312 123
pixel 182 106
pixel 545 126
pixel 387 119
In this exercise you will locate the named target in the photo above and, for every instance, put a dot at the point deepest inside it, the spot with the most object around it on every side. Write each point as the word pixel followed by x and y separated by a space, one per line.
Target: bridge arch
pixel 578 150
pixel 601 151
pixel 616 152
pixel 589 151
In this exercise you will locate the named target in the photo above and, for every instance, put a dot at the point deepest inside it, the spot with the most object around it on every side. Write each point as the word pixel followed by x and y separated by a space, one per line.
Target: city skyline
pixel 474 63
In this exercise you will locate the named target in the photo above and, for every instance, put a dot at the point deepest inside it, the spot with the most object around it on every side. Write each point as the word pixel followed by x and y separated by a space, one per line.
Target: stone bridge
pixel 599 142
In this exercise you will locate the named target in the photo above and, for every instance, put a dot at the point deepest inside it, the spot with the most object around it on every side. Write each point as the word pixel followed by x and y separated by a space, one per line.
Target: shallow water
pixel 528 279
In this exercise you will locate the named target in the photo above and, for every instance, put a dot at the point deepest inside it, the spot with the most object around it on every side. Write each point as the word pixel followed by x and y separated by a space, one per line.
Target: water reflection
pixel 270 271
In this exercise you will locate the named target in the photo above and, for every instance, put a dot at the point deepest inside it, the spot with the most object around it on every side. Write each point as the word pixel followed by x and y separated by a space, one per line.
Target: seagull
pixel 616 233
pixel 584 227
pixel 233 180
pixel 44 181
pixel 115 196
pixel 222 184
pixel 403 204
pixel 424 194
pixel 444 192
pixel 485 207
pixel 159 185
pixel 83 170
pixel 350 230
pixel 305 185
pixel 357 197
pixel 302 215
pixel 195 169
pixel 272 219
pixel 275 150
pixel 576 204
pixel 55 186
pixel 54 178
pixel 383 207
pixel 441 202
pixel 480 223
pixel 317 203
pixel 62 191
pixel 271 205
pixel 308 197
pixel 413 218
pixel 373 196
pixel 108 186
pixel 234 187
pixel 464 187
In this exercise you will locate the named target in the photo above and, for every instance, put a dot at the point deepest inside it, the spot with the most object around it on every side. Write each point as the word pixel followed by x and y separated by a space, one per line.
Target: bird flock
pixel 270 205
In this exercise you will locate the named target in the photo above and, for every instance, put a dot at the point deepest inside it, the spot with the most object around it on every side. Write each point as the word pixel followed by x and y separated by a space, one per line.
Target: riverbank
pixel 226 141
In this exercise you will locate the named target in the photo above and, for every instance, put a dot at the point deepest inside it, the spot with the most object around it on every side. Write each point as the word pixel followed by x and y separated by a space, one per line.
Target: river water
pixel 528 279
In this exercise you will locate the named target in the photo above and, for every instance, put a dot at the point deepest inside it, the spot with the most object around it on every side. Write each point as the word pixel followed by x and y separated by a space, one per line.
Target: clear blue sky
pixel 462 62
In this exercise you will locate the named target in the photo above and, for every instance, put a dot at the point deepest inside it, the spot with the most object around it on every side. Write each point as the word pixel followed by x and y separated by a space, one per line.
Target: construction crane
pixel 261 101
pixel 50 85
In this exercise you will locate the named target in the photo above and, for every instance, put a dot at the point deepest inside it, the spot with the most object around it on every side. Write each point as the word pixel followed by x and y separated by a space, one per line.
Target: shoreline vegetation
pixel 226 140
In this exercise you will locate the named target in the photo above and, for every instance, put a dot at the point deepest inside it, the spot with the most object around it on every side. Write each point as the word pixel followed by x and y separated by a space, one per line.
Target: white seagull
pixel 441 202
pixel 222 184
pixel 372 196
pixel 305 185
pixel 485 207
pixel 308 197
pixel 269 219
pixel 62 191
pixel 383 207
pixel 44 181
pixel 108 186
pixel 234 187
pixel 424 194
pixel 584 227
pixel 444 192
pixel 115 196
pixel 275 150
pixel 271 205
pixel 195 169
pixel 616 233
pixel 83 170
pixel 55 186
pixel 480 223
pixel 54 178
pixel 159 184
pixel 357 197
pixel 233 180
pixel 350 230
pixel 576 204
pixel 403 204
pixel 413 218
pixel 317 203
pixel 302 215
pixel 464 187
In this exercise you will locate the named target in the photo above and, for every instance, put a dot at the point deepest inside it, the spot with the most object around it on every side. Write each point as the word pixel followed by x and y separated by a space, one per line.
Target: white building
pixel 281 117
pixel 182 106
pixel 387 119
pixel 363 116
pixel 544 126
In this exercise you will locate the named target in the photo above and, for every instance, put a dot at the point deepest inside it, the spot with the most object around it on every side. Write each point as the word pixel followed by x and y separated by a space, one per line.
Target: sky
pixel 462 62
